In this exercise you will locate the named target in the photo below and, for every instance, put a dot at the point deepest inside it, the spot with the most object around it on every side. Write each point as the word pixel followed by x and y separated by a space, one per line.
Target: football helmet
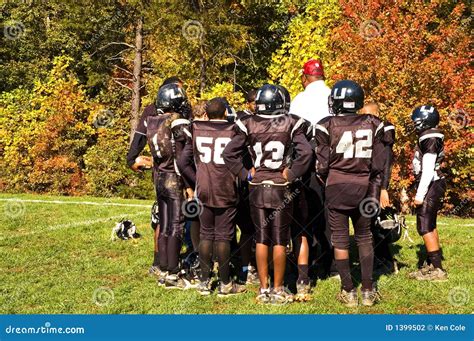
pixel 125 229
pixel 190 264
pixel 425 117
pixel 389 224
pixel 287 96
pixel 270 100
pixel 346 97
pixel 171 97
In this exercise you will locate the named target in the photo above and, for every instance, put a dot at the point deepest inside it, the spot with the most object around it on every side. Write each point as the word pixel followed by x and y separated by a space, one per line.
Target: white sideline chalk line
pixel 68 225
pixel 76 202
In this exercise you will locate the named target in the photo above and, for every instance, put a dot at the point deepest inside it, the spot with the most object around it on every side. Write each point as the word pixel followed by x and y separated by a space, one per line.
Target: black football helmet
pixel 171 97
pixel 124 229
pixel 231 114
pixel 346 97
pixel 270 100
pixel 389 225
pixel 287 96
pixel 425 117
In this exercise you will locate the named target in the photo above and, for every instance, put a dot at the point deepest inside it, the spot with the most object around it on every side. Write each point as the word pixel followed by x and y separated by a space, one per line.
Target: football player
pixel 382 254
pixel 250 104
pixel 269 134
pixel 164 128
pixel 301 233
pixel 350 156
pixel 248 272
pixel 431 186
pixel 216 193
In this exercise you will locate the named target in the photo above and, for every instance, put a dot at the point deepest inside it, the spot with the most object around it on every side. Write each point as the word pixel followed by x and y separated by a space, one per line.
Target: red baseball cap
pixel 313 67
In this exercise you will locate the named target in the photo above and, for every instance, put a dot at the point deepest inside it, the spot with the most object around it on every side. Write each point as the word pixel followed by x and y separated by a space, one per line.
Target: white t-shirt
pixel 312 103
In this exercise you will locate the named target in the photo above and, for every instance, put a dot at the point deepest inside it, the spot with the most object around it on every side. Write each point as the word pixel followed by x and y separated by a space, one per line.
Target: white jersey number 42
pixel 363 145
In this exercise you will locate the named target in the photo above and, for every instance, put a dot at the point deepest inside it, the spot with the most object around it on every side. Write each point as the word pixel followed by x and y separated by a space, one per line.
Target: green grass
pixel 53 257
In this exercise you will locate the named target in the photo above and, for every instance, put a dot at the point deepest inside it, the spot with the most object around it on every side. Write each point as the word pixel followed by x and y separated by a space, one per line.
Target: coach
pixel 312 105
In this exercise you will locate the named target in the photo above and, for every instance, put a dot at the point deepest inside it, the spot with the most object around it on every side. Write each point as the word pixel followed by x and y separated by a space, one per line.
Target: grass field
pixel 57 257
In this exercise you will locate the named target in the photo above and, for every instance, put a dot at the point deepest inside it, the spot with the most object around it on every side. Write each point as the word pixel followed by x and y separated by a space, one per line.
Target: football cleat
pixel 252 276
pixel 281 296
pixel 348 298
pixel 178 281
pixel 303 292
pixel 161 278
pixel 204 288
pixel 370 297
pixel 430 274
pixel 154 270
pixel 230 289
pixel 263 295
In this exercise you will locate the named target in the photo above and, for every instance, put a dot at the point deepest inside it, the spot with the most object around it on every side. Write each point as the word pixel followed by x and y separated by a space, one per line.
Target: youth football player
pixel 383 257
pixel 164 128
pixel 216 191
pixel 269 134
pixel 350 156
pixel 431 186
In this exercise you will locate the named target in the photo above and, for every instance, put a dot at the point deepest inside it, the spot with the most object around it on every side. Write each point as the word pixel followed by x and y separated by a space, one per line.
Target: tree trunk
pixel 137 71
pixel 202 83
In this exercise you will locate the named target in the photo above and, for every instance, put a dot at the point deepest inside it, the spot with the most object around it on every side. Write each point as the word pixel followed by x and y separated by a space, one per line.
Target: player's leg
pixel 300 236
pixel 206 248
pixel 363 237
pixel 155 225
pixel 225 232
pixel 280 230
pixel 339 224
pixel 426 225
pixel 163 239
pixel 247 231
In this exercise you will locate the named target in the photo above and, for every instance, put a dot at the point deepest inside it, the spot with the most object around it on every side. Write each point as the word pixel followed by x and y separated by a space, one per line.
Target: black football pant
pixel 169 194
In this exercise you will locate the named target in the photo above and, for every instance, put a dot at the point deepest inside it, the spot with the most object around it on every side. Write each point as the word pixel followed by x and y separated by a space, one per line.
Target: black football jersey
pixel 166 135
pixel 429 141
pixel 269 139
pixel 216 186
pixel 349 148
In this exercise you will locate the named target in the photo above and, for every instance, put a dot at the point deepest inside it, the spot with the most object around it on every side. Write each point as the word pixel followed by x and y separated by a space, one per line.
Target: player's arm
pixel 388 140
pixel 322 149
pixel 138 144
pixel 234 150
pixel 377 163
pixel 303 155
pixel 430 148
pixel 180 129
pixel 186 164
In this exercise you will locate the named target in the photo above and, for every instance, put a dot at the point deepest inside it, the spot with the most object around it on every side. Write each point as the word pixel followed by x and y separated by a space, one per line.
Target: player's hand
pixel 190 193
pixel 252 172
pixel 384 199
pixel 285 174
pixel 142 162
pixel 418 202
